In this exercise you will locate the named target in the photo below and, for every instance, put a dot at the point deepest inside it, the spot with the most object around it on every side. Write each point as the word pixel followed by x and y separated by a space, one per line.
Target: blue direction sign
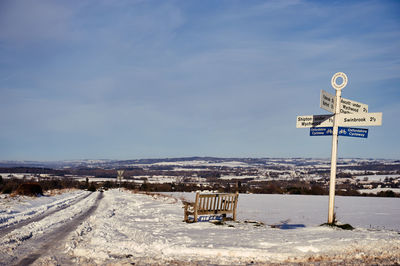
pixel 321 131
pixel 342 131
pixel 353 132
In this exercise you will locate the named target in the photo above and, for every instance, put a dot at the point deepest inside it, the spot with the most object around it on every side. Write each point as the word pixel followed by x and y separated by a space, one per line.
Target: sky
pixel 155 79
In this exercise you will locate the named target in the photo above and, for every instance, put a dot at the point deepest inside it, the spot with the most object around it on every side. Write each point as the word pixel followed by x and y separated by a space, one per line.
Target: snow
pixel 15 175
pixel 143 229
pixel 157 179
pixel 19 208
pixel 230 177
pixel 202 163
pixel 365 212
pixel 377 177
pixel 151 230
pixel 22 208
pixel 377 190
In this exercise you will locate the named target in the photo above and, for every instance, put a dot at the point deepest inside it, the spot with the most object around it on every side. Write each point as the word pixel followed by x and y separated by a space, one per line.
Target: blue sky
pixel 151 79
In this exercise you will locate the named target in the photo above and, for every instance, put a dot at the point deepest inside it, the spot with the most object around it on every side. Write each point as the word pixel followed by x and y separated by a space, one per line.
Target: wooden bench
pixel 211 204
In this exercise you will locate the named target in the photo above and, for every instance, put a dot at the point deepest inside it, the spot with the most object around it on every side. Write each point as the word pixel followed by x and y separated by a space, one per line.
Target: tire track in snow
pixel 4 231
pixel 53 239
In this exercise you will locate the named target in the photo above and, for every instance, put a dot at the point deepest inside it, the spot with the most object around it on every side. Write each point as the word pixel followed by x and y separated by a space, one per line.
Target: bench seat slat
pixel 213 212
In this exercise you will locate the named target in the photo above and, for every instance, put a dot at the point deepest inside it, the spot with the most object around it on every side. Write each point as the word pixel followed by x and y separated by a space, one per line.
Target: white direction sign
pixel 314 121
pixel 327 102
pixel 358 120
pixel 344 120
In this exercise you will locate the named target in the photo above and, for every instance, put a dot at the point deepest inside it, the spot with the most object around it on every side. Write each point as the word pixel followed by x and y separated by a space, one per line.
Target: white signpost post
pixel 345 113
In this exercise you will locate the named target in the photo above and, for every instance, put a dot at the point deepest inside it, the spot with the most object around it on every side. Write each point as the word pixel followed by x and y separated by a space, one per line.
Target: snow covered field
pixel 143 229
pixel 364 212
pixel 376 178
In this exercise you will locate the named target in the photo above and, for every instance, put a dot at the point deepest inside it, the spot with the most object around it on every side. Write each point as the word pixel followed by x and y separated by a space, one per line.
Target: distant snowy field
pixel 365 212
pixel 142 229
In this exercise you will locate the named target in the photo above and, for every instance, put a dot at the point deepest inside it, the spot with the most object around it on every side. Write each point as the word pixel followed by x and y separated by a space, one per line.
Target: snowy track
pixel 51 209
pixel 57 236
pixel 39 235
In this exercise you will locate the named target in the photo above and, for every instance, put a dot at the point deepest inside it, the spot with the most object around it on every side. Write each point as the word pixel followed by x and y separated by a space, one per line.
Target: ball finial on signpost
pixel 337 75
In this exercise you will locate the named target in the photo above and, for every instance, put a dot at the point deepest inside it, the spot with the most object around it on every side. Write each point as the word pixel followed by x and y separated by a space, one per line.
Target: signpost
pixel 120 177
pixel 347 120
pixel 314 121
pixel 363 119
pixel 321 131
pixel 346 113
pixel 353 132
pixel 327 102
pixel 342 131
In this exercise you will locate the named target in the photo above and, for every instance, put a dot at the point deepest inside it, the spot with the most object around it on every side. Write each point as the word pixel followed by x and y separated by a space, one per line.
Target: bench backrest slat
pixel 216 202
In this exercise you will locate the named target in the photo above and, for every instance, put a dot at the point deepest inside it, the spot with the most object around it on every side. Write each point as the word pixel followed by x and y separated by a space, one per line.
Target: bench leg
pixel 196 203
pixel 186 214
pixel 235 206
